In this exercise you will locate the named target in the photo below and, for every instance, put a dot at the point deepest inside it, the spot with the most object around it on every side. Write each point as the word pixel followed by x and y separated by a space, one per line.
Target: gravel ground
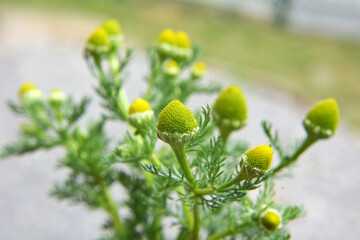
pixel 46 50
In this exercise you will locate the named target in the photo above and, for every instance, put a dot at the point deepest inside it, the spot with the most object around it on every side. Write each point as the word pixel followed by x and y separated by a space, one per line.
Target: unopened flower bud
pixel 270 220
pixel 183 40
pixel 198 69
pixel 113 29
pixel 183 50
pixel 256 161
pixel 165 43
pixel 171 68
pixel 323 118
pixel 177 124
pixel 30 93
pixel 57 98
pixel 230 110
pixel 98 42
pixel 140 113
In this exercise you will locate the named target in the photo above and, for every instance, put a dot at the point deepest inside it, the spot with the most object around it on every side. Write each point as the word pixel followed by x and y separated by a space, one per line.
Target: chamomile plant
pixel 179 165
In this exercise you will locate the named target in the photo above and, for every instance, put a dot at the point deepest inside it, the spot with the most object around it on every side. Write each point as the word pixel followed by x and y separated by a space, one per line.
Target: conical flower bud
pixel 57 98
pixel 171 68
pixel 140 113
pixel 256 161
pixel 29 93
pixel 113 29
pixel 198 69
pixel 177 124
pixel 182 50
pixel 270 220
pixel 98 42
pixel 323 118
pixel 230 110
pixel 165 43
pixel 167 36
pixel 183 40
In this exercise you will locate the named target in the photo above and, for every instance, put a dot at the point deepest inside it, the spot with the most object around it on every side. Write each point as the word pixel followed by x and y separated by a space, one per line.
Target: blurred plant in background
pixel 208 175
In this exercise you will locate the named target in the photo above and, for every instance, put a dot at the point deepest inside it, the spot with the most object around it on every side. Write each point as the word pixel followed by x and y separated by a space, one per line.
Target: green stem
pixel 196 229
pixel 152 82
pixel 156 225
pixel 223 234
pixel 222 187
pixel 180 154
pixel 308 141
pixel 112 210
pixel 224 134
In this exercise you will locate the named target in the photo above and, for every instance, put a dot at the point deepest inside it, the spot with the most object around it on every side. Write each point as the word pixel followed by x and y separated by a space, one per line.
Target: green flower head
pixel 230 110
pixel 140 114
pixel 112 27
pixel 98 42
pixel 323 119
pixel 270 220
pixel 177 124
pixel 256 161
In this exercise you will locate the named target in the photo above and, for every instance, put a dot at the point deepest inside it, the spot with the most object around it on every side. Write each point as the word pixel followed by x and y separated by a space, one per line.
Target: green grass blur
pixel 310 68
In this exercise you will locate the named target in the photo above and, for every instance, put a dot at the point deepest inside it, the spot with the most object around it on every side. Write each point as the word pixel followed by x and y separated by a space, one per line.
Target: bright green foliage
pixel 325 114
pixel 200 180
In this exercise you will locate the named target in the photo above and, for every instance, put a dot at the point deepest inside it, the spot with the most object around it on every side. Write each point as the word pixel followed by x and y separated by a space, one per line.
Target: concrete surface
pixel 47 49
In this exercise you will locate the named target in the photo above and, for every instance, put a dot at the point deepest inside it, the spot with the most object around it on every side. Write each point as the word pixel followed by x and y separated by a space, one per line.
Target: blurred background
pixel 285 54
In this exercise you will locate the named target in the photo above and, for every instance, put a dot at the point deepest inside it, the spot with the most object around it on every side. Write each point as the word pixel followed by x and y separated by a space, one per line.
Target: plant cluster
pixel 198 178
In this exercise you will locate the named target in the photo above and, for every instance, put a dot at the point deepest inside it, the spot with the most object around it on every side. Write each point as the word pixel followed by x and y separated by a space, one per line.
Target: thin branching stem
pixel 288 160
pixel 222 235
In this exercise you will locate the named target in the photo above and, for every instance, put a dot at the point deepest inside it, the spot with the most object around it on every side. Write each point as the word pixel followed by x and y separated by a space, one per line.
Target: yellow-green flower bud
pixel 323 118
pixel 183 40
pixel 230 110
pixel 113 29
pixel 256 161
pixel 198 69
pixel 177 124
pixel 57 98
pixel 171 68
pixel 167 36
pixel 270 220
pixel 98 42
pixel 30 93
pixel 182 51
pixel 140 113
pixel 165 43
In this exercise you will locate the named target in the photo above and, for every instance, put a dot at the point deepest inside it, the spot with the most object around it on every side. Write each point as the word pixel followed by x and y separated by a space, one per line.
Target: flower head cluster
pixel 104 38
pixel 175 45
pixel 323 118
pixel 177 124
